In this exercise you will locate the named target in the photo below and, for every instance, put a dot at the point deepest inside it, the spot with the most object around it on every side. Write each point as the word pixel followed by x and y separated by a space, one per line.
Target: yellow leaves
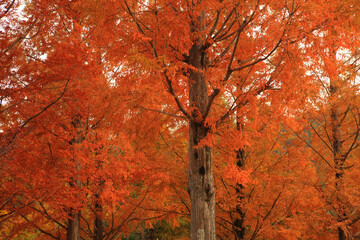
pixel 149 64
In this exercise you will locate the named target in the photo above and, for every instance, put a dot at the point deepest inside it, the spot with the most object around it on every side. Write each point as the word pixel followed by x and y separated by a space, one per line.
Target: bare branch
pixel 118 228
pixel 8 9
pixel 176 98
pixel 261 59
pixel 215 92
pixel 215 24
pixel 35 116
pixel 309 145
pixel 223 26
pixel 354 143
pixel 323 140
pixel 19 39
pixel 162 112
pixel 345 113
pixel 325 129
pixel 39 228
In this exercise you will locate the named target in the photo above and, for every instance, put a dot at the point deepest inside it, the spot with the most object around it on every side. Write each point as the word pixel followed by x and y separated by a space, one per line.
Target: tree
pixel 56 127
pixel 202 50
pixel 333 136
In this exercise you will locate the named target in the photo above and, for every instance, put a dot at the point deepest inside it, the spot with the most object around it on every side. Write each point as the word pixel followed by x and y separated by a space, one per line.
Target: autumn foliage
pixel 169 119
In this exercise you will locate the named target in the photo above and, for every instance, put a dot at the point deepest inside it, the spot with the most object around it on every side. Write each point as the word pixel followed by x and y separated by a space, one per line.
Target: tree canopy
pixel 179 119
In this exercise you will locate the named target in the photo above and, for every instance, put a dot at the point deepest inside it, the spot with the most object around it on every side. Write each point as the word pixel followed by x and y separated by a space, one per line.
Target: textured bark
pixel 239 218
pixel 201 186
pixel 338 159
pixel 98 222
pixel 73 230
pixel 342 235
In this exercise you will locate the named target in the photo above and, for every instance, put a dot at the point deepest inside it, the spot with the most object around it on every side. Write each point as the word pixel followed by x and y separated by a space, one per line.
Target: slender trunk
pixel 98 223
pixel 201 185
pixel 342 235
pixel 338 159
pixel 73 230
pixel 239 218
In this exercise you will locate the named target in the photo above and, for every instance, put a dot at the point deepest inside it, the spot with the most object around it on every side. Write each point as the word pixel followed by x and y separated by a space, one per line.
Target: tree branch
pixel 2 150
pixel 309 145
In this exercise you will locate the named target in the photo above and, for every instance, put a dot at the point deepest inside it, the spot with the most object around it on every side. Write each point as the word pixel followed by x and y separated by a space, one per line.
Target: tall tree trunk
pixel 73 230
pixel 99 230
pixel 98 222
pixel 239 218
pixel 201 185
pixel 338 158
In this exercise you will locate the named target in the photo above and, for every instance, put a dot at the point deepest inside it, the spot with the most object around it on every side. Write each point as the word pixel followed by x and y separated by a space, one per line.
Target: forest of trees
pixel 179 119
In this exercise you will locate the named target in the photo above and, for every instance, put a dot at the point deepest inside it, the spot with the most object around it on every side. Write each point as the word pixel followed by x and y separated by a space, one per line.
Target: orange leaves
pixel 118 135
pixel 141 37
pixel 236 176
